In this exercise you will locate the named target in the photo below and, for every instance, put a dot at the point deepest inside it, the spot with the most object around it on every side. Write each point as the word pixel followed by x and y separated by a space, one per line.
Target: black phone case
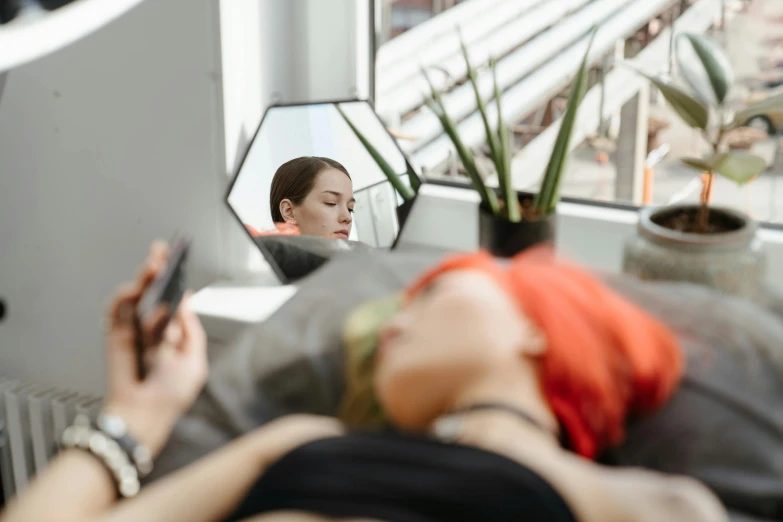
pixel 167 289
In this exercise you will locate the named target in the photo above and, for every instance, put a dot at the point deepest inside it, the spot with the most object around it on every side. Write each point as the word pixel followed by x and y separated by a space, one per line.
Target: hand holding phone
pixel 176 365
pixel 159 303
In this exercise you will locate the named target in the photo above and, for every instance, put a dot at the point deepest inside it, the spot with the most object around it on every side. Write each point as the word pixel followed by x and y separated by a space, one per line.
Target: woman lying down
pixel 503 384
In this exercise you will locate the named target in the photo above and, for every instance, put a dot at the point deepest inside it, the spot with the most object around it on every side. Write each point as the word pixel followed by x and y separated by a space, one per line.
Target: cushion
pixel 299 256
pixel 724 425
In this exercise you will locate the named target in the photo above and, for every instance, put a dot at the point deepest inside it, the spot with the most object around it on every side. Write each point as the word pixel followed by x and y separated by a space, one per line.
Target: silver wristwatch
pixel 115 427
pixel 83 436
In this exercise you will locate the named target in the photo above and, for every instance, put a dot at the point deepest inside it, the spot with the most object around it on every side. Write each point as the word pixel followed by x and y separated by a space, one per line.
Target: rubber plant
pixel 499 144
pixel 701 104
pixel 407 193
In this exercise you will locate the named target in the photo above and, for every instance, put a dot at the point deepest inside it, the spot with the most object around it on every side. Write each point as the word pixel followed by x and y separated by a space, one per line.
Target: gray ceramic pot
pixel 732 262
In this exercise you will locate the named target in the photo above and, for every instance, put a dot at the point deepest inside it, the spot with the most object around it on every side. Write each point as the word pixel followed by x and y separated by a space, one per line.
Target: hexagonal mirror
pixel 317 179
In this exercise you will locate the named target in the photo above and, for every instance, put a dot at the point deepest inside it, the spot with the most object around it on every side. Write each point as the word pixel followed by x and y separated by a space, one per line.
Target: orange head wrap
pixel 281 229
pixel 605 357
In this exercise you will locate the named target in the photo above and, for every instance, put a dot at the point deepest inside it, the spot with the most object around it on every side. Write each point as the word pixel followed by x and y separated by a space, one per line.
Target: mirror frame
pixel 264 251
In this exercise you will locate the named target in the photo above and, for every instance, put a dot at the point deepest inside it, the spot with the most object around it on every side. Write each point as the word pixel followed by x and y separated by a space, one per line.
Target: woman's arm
pixel 76 485
pixel 75 481
pixel 214 486
pixel 77 488
pixel 206 490
pixel 648 496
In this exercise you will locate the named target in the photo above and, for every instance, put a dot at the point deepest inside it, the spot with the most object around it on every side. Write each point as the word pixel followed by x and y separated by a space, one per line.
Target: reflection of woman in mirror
pixel 314 194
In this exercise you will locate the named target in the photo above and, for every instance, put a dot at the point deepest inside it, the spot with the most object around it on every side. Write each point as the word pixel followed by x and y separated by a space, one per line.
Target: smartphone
pixel 160 301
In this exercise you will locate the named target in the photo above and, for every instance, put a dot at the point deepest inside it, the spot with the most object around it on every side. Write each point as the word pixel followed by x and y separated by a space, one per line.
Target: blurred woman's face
pixel 454 334
pixel 327 211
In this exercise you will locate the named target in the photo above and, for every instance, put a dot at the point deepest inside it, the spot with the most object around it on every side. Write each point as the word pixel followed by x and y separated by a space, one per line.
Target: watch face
pixel 112 425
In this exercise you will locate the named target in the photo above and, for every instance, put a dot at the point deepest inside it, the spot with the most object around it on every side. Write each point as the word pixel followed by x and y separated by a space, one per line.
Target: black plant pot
pixel 8 10
pixel 403 211
pixel 54 4
pixel 502 238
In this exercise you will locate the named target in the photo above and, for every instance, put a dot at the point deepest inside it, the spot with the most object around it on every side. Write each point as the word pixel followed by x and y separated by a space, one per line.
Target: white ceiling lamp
pixel 31 29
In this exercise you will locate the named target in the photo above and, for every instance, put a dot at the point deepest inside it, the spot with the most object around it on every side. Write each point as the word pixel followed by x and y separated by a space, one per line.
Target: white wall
pixel 288 51
pixel 104 146
pixel 116 140
pixel 336 39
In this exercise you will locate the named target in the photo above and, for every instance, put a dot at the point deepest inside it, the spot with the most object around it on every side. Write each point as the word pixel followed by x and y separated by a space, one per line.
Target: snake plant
pixel 499 143
pixel 407 193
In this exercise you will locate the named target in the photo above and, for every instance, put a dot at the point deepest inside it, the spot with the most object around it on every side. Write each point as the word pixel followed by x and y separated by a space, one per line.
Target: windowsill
pixel 590 234
pixel 224 307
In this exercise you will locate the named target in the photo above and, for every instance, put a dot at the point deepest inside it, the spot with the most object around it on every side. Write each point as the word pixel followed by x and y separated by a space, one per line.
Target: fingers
pixel 181 355
pixel 158 251
pixel 193 335
pixel 154 326
pixel 156 260
pixel 155 356
pixel 173 335
pixel 122 305
pixel 164 346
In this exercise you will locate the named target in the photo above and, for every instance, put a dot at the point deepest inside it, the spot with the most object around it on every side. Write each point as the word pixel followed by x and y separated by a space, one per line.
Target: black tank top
pixel 402 478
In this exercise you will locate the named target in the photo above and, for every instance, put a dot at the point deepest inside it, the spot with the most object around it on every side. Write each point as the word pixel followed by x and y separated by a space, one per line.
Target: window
pixel 403 15
pixel 596 173
pixel 608 164
pixel 404 18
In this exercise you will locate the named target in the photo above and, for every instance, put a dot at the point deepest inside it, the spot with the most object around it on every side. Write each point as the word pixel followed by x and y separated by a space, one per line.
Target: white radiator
pixel 32 417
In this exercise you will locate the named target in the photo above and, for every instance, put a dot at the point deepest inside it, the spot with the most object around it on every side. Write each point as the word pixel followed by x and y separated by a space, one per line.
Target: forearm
pixel 207 490
pixel 76 486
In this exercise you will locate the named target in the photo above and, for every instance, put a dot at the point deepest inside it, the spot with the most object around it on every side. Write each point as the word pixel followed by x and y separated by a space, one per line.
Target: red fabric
pixel 605 357
pixel 284 229
pixel 253 231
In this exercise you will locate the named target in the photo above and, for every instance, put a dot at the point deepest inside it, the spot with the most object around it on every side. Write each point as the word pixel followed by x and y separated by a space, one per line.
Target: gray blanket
pixel 724 426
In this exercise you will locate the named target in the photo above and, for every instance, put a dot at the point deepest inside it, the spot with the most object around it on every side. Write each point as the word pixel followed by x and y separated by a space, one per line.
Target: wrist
pixel 149 426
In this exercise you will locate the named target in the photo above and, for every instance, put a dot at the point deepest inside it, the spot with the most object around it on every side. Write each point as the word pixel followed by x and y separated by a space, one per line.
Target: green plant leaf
pixel 394 177
pixel 771 104
pixel 413 178
pixel 549 194
pixel 709 73
pixel 435 103
pixel 434 97
pixel 702 165
pixel 740 167
pixel 509 195
pixel 492 139
pixel 692 111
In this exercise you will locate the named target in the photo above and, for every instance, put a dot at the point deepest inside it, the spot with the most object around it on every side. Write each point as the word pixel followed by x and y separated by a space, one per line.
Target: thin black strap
pixel 507 408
